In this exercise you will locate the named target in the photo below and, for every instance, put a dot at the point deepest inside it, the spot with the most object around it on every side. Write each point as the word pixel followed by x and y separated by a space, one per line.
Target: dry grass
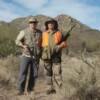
pixel 9 70
pixel 80 81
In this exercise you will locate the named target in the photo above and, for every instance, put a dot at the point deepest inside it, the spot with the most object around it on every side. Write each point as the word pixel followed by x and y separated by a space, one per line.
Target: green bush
pixel 8 47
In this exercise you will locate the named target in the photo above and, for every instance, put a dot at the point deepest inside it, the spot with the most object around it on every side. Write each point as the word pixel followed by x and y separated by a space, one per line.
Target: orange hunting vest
pixel 57 38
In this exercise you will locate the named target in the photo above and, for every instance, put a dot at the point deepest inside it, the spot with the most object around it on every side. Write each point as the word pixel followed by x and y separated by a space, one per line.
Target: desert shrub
pixel 81 78
pixel 8 47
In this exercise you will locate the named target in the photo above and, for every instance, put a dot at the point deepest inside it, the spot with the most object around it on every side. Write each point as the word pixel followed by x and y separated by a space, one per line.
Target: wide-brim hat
pixel 32 20
pixel 52 21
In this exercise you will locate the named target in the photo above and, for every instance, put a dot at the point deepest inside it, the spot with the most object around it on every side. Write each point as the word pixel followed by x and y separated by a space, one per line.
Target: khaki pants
pixel 53 74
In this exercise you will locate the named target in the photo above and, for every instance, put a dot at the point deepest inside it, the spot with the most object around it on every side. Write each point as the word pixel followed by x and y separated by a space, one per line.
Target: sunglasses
pixel 33 22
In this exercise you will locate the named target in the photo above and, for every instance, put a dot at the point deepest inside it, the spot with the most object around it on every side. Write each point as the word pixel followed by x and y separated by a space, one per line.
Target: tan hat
pixel 32 19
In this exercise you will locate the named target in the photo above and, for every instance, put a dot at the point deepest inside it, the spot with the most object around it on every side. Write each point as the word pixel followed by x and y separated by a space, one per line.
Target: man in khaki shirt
pixel 29 40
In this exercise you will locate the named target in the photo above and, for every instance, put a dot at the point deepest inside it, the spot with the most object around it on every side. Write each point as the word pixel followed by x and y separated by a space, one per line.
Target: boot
pixel 51 91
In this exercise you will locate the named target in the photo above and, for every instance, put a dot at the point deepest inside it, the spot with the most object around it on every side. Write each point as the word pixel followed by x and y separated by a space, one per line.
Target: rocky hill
pixel 80 34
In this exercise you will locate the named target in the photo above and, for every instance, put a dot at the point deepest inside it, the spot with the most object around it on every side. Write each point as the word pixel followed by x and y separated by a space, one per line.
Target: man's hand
pixel 25 48
pixel 57 48
pixel 61 45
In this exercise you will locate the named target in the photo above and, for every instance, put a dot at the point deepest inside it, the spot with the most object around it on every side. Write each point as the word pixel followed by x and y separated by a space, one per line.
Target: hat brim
pixel 33 22
pixel 49 22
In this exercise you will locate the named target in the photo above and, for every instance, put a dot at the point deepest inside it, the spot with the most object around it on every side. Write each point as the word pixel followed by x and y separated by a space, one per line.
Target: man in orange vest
pixel 52 45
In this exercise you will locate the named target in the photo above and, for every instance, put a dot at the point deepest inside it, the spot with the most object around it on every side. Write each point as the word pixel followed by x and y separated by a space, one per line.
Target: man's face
pixel 32 25
pixel 51 26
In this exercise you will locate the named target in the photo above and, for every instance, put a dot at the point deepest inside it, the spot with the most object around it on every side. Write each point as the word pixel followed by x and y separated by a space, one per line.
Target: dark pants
pixel 26 63
pixel 36 67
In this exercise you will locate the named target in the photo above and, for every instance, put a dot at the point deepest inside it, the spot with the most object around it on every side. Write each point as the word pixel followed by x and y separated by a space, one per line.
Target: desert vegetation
pixel 8 47
pixel 81 78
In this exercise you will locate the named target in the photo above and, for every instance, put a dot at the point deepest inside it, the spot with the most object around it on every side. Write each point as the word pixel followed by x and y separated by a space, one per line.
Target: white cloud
pixel 88 14
pixel 82 12
pixel 6 15
pixel 32 4
pixel 6 11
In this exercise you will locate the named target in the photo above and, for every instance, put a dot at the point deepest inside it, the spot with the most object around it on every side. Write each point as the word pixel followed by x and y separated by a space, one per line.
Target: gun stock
pixel 66 36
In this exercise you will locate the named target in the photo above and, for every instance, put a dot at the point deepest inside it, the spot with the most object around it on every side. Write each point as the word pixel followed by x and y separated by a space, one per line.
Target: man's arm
pixel 19 39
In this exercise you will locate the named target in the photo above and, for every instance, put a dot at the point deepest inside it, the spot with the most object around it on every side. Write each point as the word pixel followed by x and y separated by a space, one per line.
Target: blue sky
pixel 86 11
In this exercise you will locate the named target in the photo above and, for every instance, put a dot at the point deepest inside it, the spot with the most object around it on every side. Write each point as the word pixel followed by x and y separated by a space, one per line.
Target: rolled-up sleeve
pixel 19 38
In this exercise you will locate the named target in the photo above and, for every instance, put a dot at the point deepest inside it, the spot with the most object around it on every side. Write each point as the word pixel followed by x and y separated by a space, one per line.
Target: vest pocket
pixel 45 55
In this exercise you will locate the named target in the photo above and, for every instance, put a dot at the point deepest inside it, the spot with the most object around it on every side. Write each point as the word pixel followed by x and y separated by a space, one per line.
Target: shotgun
pixel 66 36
